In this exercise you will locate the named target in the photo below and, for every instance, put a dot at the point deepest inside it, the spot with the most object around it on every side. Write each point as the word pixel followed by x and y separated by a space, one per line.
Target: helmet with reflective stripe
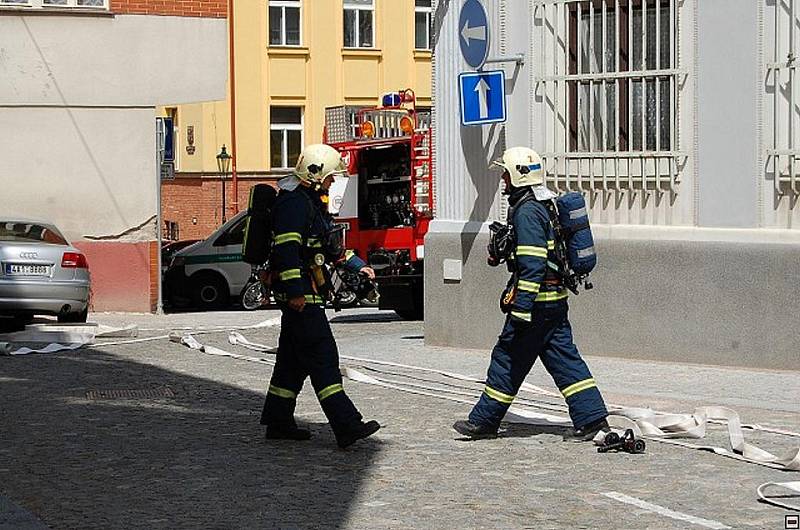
pixel 318 161
pixel 523 165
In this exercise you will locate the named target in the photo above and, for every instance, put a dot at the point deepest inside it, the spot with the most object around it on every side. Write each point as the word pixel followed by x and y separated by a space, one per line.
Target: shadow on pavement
pixel 367 318
pixel 91 440
pixel 522 430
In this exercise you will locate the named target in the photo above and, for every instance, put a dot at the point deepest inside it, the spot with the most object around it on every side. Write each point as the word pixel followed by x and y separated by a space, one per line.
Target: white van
pixel 211 272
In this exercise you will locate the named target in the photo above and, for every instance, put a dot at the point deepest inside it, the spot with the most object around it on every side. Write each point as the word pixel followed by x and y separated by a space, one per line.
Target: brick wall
pixel 196 203
pixel 181 8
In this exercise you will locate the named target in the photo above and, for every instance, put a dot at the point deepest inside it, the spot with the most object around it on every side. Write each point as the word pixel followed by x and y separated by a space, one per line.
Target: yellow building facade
pixel 292 59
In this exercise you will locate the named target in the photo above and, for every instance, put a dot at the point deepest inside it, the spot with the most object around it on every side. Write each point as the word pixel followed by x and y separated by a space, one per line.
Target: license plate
pixel 13 269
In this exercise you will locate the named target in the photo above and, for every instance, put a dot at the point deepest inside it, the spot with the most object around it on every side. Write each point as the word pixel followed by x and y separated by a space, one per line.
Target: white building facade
pixel 79 84
pixel 678 121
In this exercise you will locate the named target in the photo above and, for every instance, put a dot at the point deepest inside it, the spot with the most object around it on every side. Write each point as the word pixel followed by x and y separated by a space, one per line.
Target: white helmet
pixel 318 161
pixel 523 165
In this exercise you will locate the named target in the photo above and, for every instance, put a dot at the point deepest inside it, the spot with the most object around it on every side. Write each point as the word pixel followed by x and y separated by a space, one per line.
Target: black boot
pixel 476 432
pixel 287 432
pixel 588 432
pixel 349 436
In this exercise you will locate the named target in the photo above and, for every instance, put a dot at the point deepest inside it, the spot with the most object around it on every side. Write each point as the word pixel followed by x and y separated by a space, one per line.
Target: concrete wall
pixel 77 122
pixel 669 284
pixel 92 171
pixel 125 60
pixel 728 155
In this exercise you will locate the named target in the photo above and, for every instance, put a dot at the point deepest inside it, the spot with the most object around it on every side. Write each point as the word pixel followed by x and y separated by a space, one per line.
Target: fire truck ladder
pixel 421 162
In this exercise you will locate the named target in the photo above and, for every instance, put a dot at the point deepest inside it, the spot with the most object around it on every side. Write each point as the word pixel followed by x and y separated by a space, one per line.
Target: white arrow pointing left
pixel 473 33
pixel 482 88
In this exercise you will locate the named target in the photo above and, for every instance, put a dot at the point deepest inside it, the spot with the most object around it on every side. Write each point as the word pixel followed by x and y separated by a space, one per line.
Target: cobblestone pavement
pixel 154 435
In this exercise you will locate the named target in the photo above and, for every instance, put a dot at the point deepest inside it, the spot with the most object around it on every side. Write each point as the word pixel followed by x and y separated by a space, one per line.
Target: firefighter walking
pixel 535 303
pixel 304 241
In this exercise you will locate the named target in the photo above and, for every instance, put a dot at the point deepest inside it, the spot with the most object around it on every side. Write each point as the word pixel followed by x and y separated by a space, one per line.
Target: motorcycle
pixel 349 288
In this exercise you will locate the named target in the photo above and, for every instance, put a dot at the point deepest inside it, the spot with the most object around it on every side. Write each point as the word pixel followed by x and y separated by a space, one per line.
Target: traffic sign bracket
pixel 519 59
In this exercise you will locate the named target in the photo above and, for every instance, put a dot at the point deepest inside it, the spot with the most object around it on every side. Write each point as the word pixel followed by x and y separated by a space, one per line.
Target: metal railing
pixel 783 150
pixel 343 123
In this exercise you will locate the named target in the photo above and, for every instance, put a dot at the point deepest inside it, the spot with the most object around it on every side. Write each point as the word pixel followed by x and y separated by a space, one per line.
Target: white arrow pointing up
pixel 482 88
pixel 473 33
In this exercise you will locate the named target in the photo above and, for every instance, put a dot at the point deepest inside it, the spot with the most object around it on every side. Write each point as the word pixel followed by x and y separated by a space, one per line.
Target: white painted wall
pixel 680 277
pixel 77 112
pixel 125 60
pixel 92 171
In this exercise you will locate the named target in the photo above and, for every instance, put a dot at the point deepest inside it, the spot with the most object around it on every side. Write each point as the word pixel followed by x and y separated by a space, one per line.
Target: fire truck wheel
pixel 417 312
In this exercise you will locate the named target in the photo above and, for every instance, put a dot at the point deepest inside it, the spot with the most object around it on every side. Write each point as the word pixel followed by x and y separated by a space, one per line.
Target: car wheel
pixel 209 291
pixel 74 318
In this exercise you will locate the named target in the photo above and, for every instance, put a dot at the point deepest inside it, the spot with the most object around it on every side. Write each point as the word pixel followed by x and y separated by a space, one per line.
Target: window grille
pixel 783 147
pixel 609 83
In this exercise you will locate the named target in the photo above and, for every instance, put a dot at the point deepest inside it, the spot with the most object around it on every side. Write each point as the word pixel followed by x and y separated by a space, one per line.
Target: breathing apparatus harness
pixel 503 242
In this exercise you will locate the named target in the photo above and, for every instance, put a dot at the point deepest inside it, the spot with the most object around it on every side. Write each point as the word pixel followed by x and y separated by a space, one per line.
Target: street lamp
pixel 224 165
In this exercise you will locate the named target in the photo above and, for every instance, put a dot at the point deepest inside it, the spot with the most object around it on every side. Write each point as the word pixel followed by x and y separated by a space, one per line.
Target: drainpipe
pixel 233 107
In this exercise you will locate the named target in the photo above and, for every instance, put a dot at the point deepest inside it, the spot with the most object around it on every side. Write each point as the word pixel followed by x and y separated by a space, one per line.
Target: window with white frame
pixel 284 23
pixel 621 81
pixel 422 25
pixel 101 4
pixel 285 136
pixel 359 23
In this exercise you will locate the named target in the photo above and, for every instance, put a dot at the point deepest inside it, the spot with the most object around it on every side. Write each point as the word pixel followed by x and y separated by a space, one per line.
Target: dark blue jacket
pixel 533 256
pixel 299 222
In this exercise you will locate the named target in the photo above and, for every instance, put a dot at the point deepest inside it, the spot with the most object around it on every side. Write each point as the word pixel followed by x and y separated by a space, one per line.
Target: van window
pixel 233 235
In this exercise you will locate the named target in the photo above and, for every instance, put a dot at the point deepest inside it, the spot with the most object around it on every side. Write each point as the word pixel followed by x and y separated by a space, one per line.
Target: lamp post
pixel 224 165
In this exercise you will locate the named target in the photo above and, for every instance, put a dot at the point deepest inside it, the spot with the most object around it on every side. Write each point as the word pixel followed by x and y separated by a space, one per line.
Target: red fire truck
pixel 387 203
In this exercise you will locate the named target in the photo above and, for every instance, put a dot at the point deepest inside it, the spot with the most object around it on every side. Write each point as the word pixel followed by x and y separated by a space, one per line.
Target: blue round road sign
pixel 473 33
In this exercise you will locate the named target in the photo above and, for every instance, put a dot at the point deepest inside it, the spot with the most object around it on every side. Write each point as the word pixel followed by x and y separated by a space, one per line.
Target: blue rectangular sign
pixel 483 97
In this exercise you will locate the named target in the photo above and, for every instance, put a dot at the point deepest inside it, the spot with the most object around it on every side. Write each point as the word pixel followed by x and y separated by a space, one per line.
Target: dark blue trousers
pixel 549 337
pixel 306 348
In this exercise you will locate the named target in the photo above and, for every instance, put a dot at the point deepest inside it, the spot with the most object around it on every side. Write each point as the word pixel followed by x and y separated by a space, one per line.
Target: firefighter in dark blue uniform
pixel 536 325
pixel 303 241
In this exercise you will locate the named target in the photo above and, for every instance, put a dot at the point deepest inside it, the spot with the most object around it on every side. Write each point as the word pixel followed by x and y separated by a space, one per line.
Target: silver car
pixel 41 273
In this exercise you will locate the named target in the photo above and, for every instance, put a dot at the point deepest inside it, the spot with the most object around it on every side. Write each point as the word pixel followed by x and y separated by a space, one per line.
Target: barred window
pixel 359 26
pixel 284 23
pixel 620 83
pixel 782 105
